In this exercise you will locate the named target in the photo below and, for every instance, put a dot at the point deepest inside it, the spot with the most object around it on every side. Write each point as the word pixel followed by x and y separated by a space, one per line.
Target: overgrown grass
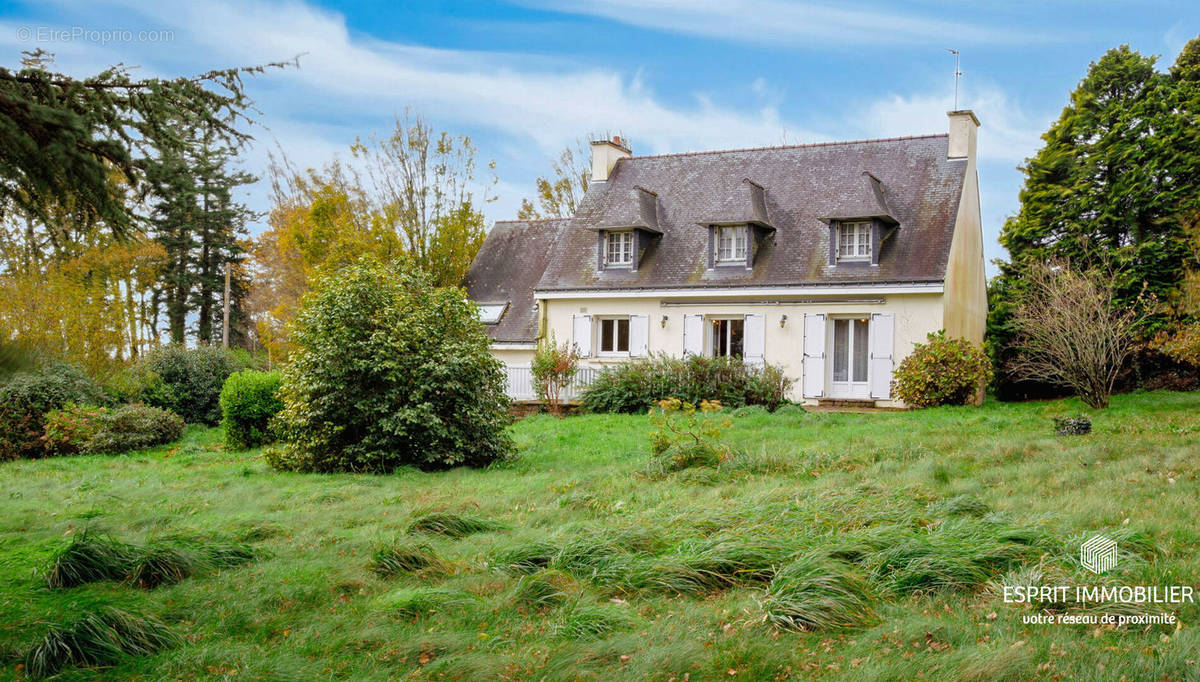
pixel 453 525
pixel 814 593
pixel 102 638
pixel 835 546
pixel 90 557
pixel 404 556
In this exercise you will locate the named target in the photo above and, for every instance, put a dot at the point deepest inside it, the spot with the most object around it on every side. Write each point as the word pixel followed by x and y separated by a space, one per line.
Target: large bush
pixel 28 396
pixel 249 401
pixel 186 381
pixel 943 371
pixel 389 371
pixel 637 385
pixel 101 430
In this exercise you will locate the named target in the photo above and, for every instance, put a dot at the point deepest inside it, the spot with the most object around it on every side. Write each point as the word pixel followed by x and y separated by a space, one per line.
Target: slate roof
pixel 511 261
pixel 909 179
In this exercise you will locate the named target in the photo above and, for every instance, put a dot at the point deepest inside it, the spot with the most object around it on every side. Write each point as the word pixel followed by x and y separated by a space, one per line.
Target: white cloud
pixel 528 108
pixel 796 24
pixel 1007 133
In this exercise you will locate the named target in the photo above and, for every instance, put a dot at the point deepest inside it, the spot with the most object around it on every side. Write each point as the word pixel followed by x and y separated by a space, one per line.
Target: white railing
pixel 520 383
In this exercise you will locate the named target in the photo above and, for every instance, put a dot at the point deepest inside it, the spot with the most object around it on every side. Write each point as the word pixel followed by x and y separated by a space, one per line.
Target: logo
pixel 1098 554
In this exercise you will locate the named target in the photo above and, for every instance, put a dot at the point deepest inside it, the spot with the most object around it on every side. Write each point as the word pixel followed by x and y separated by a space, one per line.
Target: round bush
pixel 187 381
pixel 100 430
pixel 389 371
pixel 249 401
pixel 27 397
pixel 943 371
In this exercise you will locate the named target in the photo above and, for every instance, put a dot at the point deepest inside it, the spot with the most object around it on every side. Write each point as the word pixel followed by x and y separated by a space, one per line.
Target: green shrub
pixel 813 593
pixel 637 385
pixel 101 430
pixel 26 398
pixel 943 371
pixel 98 639
pixel 554 366
pixel 186 381
pixel 389 371
pixel 249 402
pixel 687 436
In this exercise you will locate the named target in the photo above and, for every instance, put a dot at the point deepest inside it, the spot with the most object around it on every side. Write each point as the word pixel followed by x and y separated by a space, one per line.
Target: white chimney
pixel 605 155
pixel 963 129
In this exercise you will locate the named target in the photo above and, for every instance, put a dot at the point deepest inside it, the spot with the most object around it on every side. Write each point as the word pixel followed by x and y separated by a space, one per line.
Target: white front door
pixel 849 369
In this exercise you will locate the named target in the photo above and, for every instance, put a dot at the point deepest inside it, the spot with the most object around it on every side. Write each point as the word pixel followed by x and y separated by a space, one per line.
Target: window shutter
pixel 581 329
pixel 755 339
pixel 693 335
pixel 814 355
pixel 833 242
pixel 639 335
pixel 883 341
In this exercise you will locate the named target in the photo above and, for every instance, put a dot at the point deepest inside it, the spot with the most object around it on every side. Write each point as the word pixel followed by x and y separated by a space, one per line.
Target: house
pixel 829 259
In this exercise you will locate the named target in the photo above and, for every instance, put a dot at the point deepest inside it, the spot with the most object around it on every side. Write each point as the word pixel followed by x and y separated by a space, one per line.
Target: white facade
pixel 798 333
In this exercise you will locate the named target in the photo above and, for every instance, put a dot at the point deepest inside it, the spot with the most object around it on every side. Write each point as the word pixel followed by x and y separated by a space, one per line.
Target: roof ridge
pixel 793 146
pixel 530 220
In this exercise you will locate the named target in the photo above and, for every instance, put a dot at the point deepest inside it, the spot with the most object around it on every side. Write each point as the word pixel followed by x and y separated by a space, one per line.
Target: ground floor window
pixel 727 336
pixel 850 350
pixel 614 335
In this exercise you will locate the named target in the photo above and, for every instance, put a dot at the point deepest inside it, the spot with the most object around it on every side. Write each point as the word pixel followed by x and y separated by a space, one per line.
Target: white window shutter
pixel 581 329
pixel 883 342
pixel 693 335
pixel 814 355
pixel 639 335
pixel 755 340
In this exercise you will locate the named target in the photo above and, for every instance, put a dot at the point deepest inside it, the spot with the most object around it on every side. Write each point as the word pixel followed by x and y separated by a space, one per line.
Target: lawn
pixel 571 563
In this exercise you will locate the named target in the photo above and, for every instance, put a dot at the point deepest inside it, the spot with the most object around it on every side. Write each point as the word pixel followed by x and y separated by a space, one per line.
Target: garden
pixel 826 545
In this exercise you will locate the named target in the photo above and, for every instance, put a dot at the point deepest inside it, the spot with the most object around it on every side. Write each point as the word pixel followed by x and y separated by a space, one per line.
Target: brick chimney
pixel 963 129
pixel 605 154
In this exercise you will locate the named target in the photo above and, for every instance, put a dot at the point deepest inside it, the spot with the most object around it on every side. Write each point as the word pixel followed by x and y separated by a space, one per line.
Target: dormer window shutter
pixel 833 242
pixel 877 228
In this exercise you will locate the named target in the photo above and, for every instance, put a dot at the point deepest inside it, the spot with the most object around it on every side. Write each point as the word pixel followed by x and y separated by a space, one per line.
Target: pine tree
pixel 198 222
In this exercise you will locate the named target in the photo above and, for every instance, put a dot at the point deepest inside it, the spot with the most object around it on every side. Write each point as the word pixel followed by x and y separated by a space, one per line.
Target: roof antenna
pixel 957 73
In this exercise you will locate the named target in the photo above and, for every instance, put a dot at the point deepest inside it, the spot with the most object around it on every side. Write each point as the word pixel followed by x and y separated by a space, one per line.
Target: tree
pixel 65 137
pixel 423 186
pixel 1072 332
pixel 388 370
pixel 320 222
pixel 558 196
pixel 553 368
pixel 198 223
pixel 1111 188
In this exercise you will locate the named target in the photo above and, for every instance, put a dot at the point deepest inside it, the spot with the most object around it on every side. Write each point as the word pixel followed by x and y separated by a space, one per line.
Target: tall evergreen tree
pixel 1111 188
pixel 198 222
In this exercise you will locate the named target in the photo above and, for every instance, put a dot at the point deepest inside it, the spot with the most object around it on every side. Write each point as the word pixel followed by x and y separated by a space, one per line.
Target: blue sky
pixel 525 78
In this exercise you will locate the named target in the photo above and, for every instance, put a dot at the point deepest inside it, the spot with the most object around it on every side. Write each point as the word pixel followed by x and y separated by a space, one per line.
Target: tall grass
pixel 95 558
pixel 403 556
pixel 453 525
pixel 90 558
pixel 98 639
pixel 816 593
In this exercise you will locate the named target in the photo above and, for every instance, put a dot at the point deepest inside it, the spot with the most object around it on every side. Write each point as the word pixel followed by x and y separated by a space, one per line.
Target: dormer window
pixel 731 244
pixel 854 242
pixel 618 248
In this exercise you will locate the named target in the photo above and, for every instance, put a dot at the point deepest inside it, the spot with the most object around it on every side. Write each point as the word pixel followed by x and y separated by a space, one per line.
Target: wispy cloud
pixel 796 24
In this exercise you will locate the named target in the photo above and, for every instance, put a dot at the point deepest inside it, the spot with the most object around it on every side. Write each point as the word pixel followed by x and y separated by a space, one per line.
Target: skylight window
pixel 490 313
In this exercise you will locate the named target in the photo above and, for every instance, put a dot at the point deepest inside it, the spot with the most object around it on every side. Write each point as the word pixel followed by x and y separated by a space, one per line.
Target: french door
pixel 849 371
